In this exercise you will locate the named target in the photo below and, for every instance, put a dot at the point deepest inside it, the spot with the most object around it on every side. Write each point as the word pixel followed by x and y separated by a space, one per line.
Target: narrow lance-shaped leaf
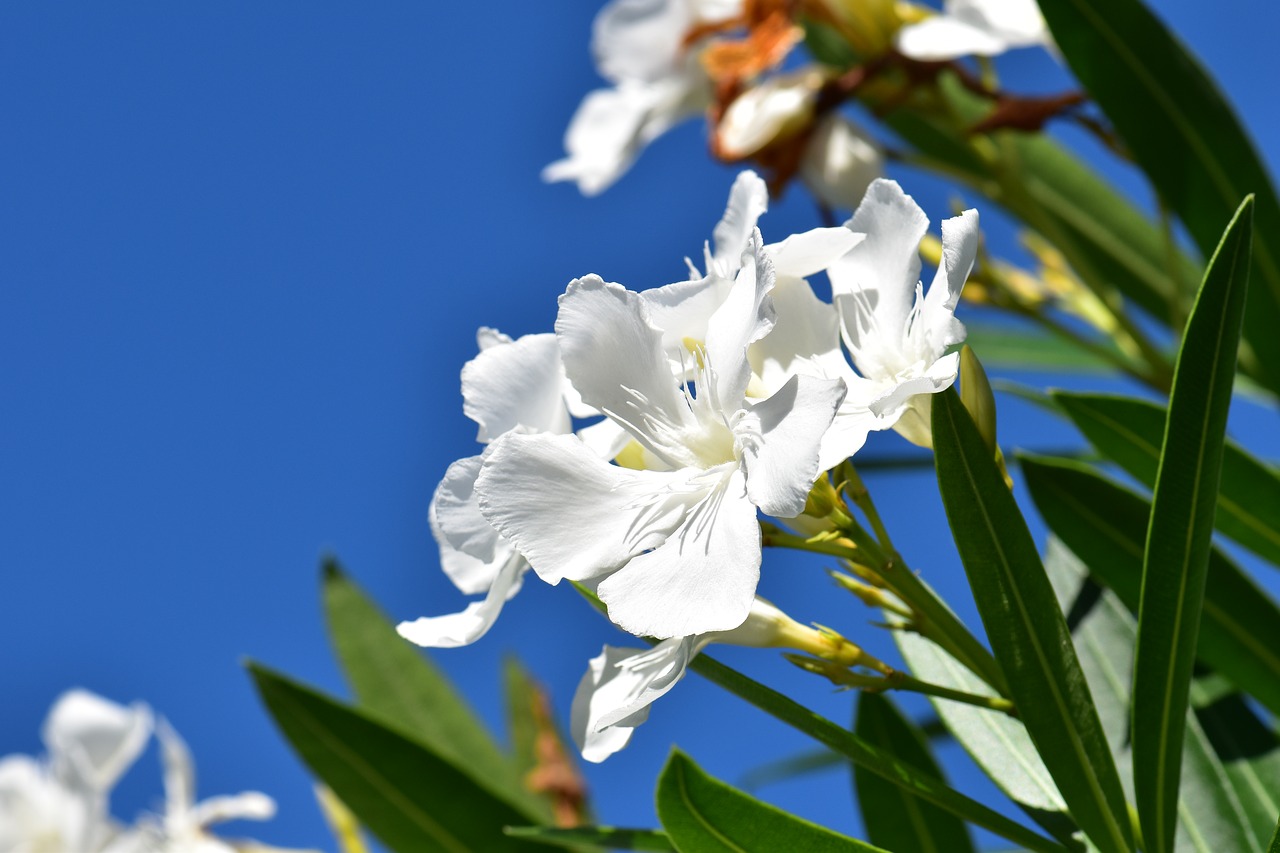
pixel 889 768
pixel 610 837
pixel 1250 753
pixel 393 680
pixel 1184 135
pixel 1180 535
pixel 704 815
pixel 1105 524
pixel 1129 432
pixel 406 795
pixel 895 819
pixel 1027 632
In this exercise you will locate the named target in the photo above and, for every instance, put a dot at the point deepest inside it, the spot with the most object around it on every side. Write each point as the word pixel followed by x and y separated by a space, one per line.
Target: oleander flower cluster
pixel 734 61
pixel 633 449
pixel 60 801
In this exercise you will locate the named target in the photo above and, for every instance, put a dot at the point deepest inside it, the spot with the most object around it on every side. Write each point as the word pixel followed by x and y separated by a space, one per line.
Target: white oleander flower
pixel 768 112
pixel 61 803
pixel 620 684
pixel 641 47
pixel 975 28
pixel 675 550
pixel 897 334
pixel 840 162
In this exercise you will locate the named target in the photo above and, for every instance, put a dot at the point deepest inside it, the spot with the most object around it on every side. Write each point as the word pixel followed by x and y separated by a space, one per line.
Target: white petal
pixel 179 776
pixel 848 431
pixel 248 805
pixel 810 252
pixel 772 110
pixel 614 695
pixel 468 543
pixel 93 741
pixel 639 39
pixel 487 337
pixel 571 514
pixel 874 284
pixel 840 162
pixel 748 201
pixel 463 629
pixel 941 37
pixel 515 384
pixel 960 238
pixel 785 434
pixel 906 405
pixel 614 356
pixel 682 310
pixel 805 337
pixel 702 578
pixel 1017 22
pixel 605 438
pixel 746 316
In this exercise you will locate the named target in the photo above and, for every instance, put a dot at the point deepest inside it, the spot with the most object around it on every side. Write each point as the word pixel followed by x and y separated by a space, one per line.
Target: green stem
pixel 897 680
pixel 861 497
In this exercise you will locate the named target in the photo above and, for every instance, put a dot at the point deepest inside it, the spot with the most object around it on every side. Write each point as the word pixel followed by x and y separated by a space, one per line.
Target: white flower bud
pixel 840 163
pixel 776 109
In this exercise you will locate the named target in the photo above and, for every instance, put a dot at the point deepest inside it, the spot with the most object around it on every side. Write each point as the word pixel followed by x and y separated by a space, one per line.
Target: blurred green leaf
pixel 895 819
pixel 1105 525
pixel 408 796
pixel 1013 348
pixel 704 815
pixel 1180 535
pixel 521 695
pixel 827 46
pixel 1184 135
pixel 1027 632
pixel 609 837
pixel 1250 753
pixel 1129 432
pixel 1210 817
pixel 792 767
pixel 845 742
pixel 394 681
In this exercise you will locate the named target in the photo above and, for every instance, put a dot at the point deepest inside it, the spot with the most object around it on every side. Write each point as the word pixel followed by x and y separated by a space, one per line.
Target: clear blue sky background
pixel 244 248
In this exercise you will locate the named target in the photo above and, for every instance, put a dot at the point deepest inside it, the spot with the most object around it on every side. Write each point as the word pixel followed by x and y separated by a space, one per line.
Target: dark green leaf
pixel 873 758
pixel 895 819
pixel 1180 534
pixel 1129 432
pixel 594 836
pixel 1027 632
pixel 1184 135
pixel 826 45
pixel 704 815
pixel 1106 526
pixel 394 681
pixel 1210 818
pixel 409 797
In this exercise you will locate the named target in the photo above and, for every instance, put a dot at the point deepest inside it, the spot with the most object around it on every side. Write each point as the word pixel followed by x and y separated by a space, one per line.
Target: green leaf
pixel 1250 753
pixel 408 796
pixel 895 819
pixel 1129 432
pixel 1027 632
pixel 395 682
pixel 1180 535
pixel 792 767
pixel 827 46
pixel 997 743
pixel 595 836
pixel 845 742
pixel 701 814
pixel 1184 135
pixel 521 695
pixel 1015 348
pixel 1210 817
pixel 1274 846
pixel 1106 526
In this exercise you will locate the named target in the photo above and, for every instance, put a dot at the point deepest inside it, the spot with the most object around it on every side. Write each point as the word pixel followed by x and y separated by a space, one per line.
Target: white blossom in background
pixel 898 334
pixel 840 161
pixel 770 111
pixel 675 549
pixel 641 47
pixel 975 28
pixel 511 385
pixel 60 803
pixel 184 826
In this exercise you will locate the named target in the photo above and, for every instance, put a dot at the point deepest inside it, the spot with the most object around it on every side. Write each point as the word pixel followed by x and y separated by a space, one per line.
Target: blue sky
pixel 245 250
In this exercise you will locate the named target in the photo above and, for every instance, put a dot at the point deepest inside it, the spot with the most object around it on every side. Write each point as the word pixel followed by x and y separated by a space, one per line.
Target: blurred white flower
pixel 768 112
pixel 642 47
pixel 896 333
pixel 840 162
pixel 183 828
pixel 975 28
pixel 675 549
